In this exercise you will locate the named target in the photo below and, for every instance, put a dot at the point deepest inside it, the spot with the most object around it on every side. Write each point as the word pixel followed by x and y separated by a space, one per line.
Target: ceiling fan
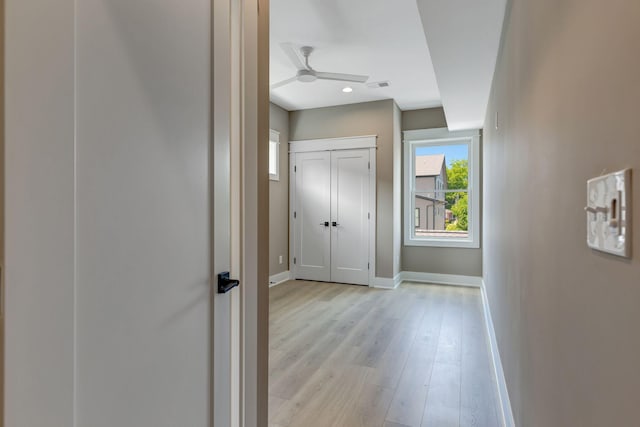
pixel 306 74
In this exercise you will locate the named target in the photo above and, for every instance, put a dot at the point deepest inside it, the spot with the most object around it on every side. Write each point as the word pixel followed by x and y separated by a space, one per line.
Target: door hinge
pixel 368 215
pixel 368 266
pixel 295 214
pixel 295 168
pixel 294 260
pixel 368 165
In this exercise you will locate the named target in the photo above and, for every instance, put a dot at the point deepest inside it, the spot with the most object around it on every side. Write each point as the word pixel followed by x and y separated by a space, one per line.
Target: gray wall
pixel 279 196
pixel 566 317
pixel 428 118
pixel 462 261
pixel 371 118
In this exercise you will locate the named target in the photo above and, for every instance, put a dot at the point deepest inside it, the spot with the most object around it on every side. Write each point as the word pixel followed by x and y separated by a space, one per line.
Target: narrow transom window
pixel 274 155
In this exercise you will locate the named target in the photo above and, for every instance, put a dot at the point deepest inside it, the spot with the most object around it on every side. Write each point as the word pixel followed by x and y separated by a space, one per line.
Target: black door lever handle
pixel 225 284
pixel 335 224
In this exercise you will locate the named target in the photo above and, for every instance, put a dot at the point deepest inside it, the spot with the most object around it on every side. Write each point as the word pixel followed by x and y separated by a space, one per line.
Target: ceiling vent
pixel 378 85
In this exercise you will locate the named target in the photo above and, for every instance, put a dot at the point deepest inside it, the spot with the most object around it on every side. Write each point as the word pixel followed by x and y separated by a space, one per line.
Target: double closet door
pixel 332 215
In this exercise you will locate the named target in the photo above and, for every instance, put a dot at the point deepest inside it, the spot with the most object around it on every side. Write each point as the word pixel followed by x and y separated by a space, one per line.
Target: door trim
pixel 373 221
pixel 333 144
pixel 240 106
pixel 254 343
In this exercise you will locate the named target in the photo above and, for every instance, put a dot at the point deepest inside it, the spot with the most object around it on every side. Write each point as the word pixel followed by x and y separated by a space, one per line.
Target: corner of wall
pixel 397 189
pixel 279 196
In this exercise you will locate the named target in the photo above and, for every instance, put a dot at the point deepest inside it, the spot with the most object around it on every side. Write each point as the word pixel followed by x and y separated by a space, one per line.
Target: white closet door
pixel 313 210
pixel 350 216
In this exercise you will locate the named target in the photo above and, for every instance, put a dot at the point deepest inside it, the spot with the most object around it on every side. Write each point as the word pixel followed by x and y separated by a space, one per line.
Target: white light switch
pixel 609 213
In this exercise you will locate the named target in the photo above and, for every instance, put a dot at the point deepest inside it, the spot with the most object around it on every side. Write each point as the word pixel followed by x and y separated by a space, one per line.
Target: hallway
pixel 343 355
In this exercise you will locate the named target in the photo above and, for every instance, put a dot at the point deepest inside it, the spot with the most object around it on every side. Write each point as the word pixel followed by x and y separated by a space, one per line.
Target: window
pixel 442 178
pixel 274 155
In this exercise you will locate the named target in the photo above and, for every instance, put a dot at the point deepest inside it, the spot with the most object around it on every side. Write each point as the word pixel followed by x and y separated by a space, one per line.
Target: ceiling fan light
pixel 347 89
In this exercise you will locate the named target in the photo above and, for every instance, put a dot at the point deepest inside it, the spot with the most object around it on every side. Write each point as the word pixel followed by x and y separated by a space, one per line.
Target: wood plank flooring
pixel 344 355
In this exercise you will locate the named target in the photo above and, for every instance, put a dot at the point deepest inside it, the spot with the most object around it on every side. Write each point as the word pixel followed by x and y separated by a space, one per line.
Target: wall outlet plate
pixel 609 213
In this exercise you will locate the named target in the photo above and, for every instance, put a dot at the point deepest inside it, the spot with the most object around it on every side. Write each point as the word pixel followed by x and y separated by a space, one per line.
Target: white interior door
pixel 312 215
pixel 119 213
pixel 143 290
pixel 350 216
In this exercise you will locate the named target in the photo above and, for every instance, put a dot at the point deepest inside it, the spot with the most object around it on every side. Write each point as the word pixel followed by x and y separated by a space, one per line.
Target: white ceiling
pixel 464 40
pixel 387 40
pixel 380 38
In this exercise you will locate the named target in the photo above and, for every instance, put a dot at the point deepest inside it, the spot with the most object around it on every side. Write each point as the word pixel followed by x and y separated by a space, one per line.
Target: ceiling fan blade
pixel 292 53
pixel 342 77
pixel 284 82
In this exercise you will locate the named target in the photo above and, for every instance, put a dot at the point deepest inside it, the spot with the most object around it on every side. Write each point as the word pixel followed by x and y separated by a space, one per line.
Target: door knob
pixel 335 224
pixel 326 223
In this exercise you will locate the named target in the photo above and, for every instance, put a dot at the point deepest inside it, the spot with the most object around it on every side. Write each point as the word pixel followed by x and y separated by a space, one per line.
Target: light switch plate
pixel 609 213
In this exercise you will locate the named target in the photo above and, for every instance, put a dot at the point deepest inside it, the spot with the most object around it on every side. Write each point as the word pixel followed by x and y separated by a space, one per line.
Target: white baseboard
pixel 441 279
pixel 387 282
pixel 408 276
pixel 276 279
pixel 503 393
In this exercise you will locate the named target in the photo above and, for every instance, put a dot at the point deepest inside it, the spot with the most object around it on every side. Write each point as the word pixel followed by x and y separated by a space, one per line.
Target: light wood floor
pixel 344 355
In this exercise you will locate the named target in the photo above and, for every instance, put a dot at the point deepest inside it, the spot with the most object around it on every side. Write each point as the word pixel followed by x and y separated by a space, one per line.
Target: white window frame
pixel 274 141
pixel 442 136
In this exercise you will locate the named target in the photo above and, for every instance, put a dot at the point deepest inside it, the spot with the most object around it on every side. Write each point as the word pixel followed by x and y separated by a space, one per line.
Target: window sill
pixel 443 243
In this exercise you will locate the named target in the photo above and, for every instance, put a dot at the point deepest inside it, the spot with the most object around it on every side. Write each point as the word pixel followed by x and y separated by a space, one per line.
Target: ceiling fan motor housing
pixel 306 76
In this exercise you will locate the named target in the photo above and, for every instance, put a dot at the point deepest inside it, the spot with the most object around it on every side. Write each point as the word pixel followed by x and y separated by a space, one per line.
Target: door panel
pixel 109 176
pixel 313 209
pixel 143 294
pixel 349 212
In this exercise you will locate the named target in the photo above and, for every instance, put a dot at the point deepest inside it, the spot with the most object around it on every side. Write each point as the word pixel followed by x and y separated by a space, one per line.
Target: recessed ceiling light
pixel 347 90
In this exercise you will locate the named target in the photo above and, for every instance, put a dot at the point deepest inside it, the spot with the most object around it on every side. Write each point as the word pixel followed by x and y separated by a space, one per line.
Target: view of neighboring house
pixel 431 180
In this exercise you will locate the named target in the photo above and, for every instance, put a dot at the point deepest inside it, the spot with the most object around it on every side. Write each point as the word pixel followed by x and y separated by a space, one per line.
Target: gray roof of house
pixel 429 165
